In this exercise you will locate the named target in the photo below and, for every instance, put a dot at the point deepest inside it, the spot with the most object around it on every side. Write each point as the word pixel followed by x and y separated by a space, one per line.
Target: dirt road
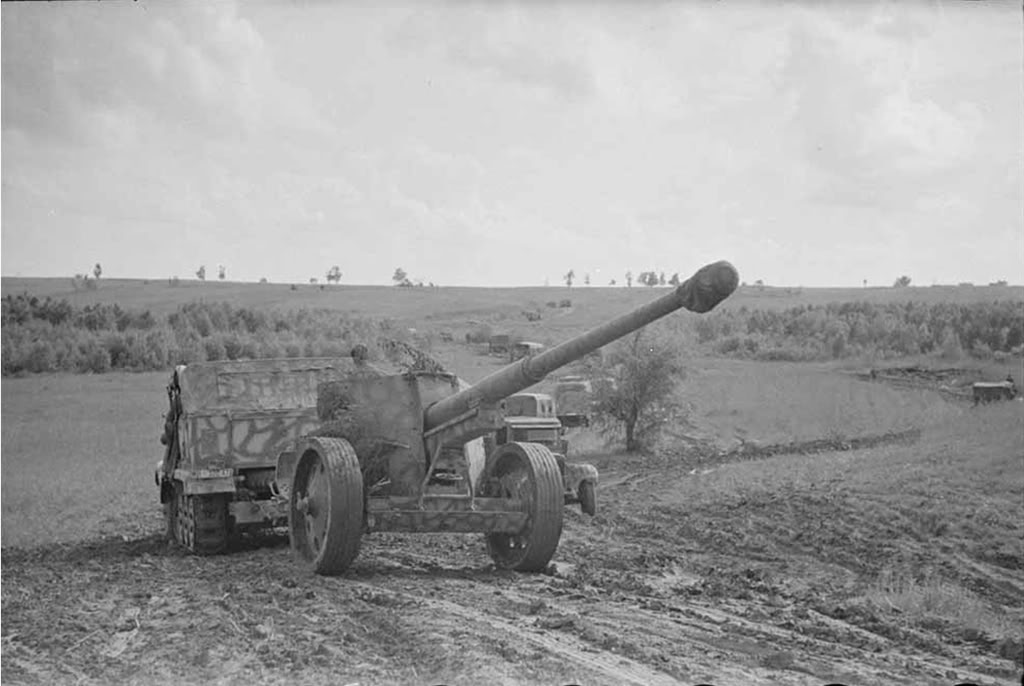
pixel 897 564
pixel 629 601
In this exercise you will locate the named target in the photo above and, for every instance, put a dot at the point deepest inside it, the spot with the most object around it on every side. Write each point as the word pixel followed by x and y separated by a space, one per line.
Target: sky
pixel 503 144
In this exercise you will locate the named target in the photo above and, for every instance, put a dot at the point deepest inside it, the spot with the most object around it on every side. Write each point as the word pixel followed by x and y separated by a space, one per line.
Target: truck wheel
pixel 201 521
pixel 528 472
pixel 588 498
pixel 171 518
pixel 325 511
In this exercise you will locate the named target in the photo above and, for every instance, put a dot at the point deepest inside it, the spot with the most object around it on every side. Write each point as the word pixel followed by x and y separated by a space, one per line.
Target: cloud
pixel 82 73
pixel 857 112
pixel 528 46
pixel 921 135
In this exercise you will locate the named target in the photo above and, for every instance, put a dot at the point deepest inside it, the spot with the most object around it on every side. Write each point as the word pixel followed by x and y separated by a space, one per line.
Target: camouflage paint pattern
pixel 242 440
pixel 241 414
pixel 260 384
pixel 383 420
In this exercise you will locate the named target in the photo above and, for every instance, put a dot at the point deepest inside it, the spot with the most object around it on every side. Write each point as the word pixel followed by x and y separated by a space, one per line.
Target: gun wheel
pixel 325 511
pixel 528 472
pixel 200 521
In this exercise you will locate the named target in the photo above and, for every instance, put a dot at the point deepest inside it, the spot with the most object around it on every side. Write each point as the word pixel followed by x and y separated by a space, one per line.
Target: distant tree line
pixel 649 278
pixel 837 330
pixel 47 335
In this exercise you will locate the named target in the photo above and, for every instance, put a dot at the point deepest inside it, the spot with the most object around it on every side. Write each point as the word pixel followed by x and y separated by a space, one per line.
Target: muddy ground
pixel 769 570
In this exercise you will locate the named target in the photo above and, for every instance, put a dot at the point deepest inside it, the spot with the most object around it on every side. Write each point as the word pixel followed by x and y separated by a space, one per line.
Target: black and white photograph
pixel 513 343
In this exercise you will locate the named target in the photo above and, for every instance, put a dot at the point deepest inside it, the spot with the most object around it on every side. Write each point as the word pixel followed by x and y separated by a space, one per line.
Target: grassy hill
pixel 459 305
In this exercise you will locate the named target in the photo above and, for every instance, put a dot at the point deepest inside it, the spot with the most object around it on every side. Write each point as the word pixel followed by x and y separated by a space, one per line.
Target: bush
pixel 214 349
pixel 951 348
pixel 117 348
pixel 150 350
pixel 40 358
pixel 93 358
pixel 269 348
pixel 839 330
pixel 479 334
pixel 645 368
pixel 187 346
pixel 233 346
pixel 48 335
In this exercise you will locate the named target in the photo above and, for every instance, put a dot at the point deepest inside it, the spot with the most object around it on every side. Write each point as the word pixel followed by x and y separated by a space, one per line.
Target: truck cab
pixel 523 349
pixel 574 396
pixel 533 418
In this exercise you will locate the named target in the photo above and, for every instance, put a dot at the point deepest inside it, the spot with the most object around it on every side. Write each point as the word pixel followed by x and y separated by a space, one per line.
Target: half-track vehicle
pixel 386 452
pixel 521 349
pixel 223 434
pixel 498 343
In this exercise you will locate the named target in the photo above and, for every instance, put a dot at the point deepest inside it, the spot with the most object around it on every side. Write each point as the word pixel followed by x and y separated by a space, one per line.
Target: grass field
pixel 454 305
pixel 898 563
pixel 80 450
pixel 79 454
pixel 913 537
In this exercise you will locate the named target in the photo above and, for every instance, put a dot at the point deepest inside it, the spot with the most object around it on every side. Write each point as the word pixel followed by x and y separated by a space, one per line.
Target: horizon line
pixel 214 281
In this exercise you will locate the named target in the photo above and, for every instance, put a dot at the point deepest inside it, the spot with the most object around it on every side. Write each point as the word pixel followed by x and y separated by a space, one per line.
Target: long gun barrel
pixel 700 293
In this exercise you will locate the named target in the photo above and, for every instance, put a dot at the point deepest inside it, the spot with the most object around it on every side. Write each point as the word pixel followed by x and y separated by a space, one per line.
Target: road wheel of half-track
pixel 201 521
pixel 528 472
pixel 588 498
pixel 325 511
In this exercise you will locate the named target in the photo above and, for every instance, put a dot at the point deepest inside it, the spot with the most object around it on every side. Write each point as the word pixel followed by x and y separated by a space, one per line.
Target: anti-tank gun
pixel 405 452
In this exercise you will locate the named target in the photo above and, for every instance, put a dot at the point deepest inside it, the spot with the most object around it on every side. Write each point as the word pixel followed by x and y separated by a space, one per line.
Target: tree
pixel 586 279
pixel 569 276
pixel 201 272
pixel 612 282
pixel 312 280
pixel 648 278
pixel 97 270
pixel 760 284
pixel 400 277
pixel 222 272
pixel 661 279
pixel 629 279
pixel 674 281
pixel 902 282
pixel 637 397
pixel 334 274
